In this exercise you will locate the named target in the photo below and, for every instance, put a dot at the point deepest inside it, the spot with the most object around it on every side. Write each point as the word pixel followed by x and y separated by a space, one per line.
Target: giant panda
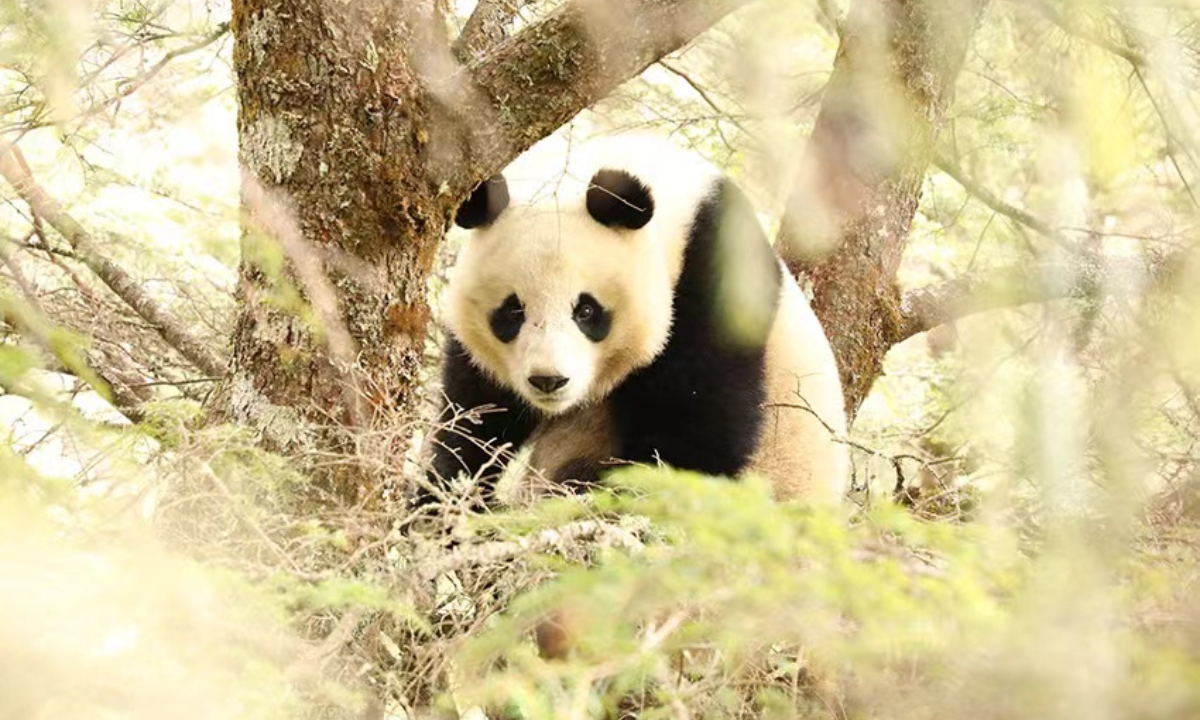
pixel 637 314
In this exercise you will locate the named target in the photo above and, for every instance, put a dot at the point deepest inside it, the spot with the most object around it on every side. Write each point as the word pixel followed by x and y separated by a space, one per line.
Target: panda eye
pixel 591 318
pixel 507 319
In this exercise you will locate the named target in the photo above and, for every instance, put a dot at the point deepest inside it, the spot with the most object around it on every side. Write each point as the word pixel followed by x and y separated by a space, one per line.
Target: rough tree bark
pixel 359 133
pixel 885 104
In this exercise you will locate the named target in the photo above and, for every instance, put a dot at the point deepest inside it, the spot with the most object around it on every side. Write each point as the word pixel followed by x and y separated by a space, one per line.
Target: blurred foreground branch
pixel 14 169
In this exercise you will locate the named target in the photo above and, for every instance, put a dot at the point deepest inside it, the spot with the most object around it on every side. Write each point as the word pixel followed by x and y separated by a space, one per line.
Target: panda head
pixel 560 301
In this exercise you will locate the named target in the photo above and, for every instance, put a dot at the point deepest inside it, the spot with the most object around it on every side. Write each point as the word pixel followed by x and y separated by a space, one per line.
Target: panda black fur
pixel 641 316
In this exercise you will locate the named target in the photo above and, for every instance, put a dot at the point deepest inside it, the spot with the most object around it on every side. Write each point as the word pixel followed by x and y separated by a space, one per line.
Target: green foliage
pixel 170 421
pixel 749 608
pixel 740 573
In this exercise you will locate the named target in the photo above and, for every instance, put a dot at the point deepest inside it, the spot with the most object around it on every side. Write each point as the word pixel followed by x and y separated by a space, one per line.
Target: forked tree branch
pixel 124 285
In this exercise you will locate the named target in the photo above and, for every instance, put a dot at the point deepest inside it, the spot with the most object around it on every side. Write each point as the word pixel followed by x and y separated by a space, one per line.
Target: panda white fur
pixel 638 314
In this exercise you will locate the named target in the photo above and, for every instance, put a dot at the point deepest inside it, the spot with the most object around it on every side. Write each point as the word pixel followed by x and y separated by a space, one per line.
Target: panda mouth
pixel 552 403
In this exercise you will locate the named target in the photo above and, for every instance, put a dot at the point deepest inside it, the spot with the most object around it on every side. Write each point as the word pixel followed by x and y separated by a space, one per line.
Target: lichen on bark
pixel 268 148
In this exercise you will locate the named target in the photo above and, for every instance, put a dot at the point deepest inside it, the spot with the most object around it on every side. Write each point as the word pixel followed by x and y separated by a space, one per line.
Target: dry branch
pixel 591 533
pixel 985 196
pixel 124 285
pixel 31 323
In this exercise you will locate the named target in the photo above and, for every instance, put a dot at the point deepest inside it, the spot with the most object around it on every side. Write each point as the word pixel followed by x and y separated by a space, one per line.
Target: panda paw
pixel 582 475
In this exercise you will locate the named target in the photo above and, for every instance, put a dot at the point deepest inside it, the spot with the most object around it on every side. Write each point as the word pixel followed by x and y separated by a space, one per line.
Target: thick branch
pixel 1086 278
pixel 487 27
pixel 120 282
pixel 536 82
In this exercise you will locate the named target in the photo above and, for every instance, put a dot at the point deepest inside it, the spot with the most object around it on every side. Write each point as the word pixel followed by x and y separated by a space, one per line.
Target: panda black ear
pixel 487 201
pixel 617 199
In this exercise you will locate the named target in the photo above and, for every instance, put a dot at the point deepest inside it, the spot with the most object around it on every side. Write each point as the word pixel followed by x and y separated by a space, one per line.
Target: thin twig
pixel 985 196
pixel 133 84
pixel 42 205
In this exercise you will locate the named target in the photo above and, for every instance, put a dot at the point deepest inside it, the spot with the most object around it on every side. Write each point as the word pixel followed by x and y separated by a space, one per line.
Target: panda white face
pixel 559 307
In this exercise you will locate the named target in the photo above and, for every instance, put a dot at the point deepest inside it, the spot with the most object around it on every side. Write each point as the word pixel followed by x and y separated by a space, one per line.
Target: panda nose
pixel 547 383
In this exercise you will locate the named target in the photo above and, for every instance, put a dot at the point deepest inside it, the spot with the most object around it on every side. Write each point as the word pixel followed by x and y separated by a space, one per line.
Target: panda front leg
pixel 479 427
pixel 698 410
pixel 571 451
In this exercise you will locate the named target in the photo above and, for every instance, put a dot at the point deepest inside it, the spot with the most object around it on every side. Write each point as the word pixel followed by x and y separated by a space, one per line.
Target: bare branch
pixel 1016 214
pixel 126 287
pixel 1131 55
pixel 705 95
pixel 130 85
pixel 33 324
pixel 534 83
pixel 1085 278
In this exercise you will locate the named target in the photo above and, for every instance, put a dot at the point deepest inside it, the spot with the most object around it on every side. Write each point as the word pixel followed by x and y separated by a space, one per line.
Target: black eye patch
pixel 506 320
pixel 591 317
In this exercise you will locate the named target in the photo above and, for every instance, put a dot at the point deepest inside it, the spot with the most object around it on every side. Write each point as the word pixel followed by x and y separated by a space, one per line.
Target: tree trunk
pixel 340 224
pixel 885 104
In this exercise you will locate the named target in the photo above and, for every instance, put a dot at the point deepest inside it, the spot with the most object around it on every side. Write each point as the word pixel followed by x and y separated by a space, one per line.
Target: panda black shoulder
pixel 708 385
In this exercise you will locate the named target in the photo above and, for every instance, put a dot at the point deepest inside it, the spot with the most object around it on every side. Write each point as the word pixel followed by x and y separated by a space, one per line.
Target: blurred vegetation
pixel 1023 539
